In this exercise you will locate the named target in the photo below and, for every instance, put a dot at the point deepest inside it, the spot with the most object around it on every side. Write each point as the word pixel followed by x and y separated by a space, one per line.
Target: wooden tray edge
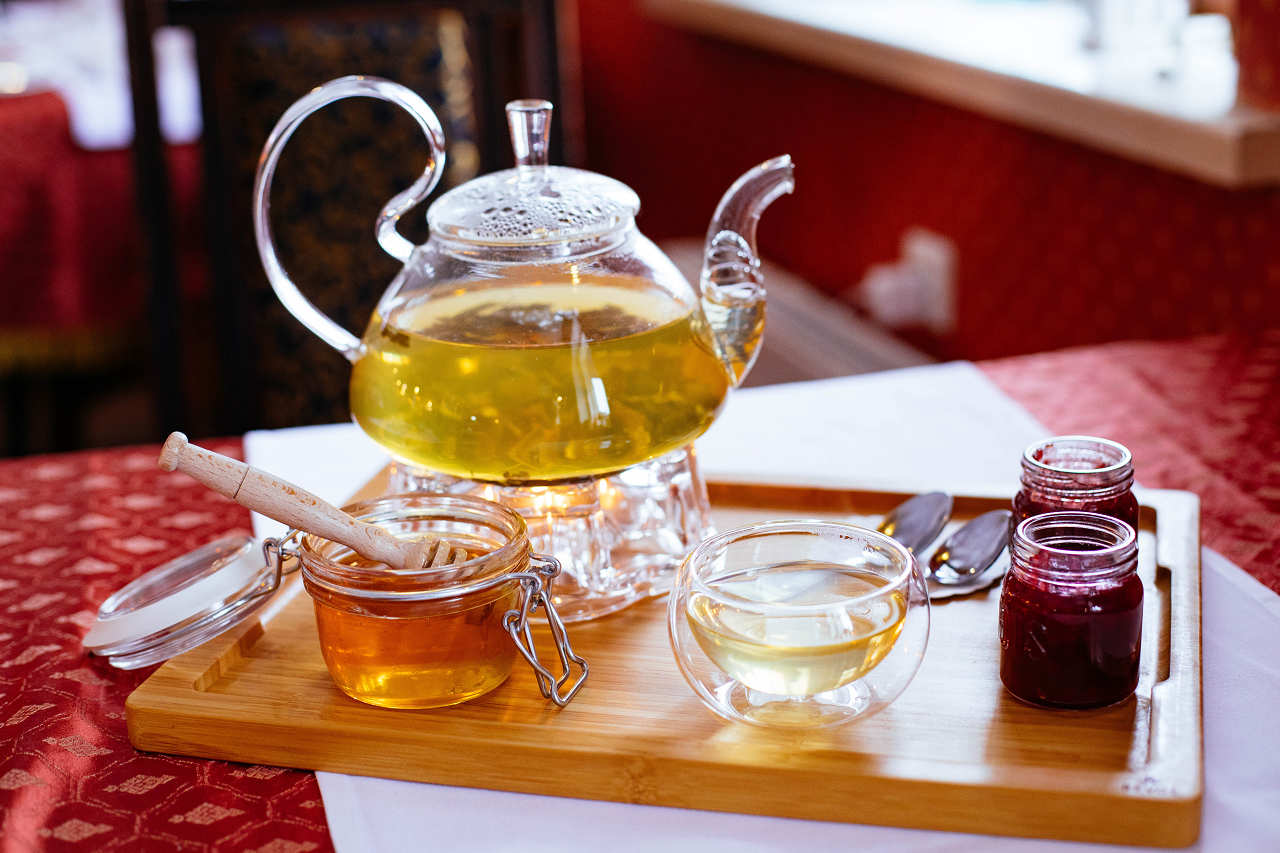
pixel 1081 815
pixel 1167 794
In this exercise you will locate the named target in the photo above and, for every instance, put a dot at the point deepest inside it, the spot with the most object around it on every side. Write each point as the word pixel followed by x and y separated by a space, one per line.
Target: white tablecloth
pixel 937 427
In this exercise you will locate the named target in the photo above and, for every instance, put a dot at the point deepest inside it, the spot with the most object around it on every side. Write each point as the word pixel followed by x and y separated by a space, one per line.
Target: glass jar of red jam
pixel 1071 611
pixel 1077 473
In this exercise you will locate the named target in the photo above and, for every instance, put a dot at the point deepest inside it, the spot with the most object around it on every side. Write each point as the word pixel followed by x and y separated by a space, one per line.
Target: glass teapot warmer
pixel 619 538
pixel 539 351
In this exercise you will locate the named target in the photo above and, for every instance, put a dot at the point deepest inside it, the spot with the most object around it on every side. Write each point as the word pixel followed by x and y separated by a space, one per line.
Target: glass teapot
pixel 537 336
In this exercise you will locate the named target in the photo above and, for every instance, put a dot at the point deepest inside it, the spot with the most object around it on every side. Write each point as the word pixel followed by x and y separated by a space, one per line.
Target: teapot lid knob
pixel 535 209
pixel 530 123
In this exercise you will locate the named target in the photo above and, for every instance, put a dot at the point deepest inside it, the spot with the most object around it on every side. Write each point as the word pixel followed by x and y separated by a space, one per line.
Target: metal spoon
pixel 917 521
pixel 972 549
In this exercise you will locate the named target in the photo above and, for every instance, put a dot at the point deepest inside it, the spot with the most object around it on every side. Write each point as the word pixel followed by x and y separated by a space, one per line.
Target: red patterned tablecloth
pixel 1202 415
pixel 73 529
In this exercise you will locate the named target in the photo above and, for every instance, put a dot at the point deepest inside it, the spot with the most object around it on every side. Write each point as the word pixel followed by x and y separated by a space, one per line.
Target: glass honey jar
pixel 436 636
pixel 1077 473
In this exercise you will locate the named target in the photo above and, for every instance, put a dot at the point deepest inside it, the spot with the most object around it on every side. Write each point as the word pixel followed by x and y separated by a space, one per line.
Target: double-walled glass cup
pixel 799 624
pixel 438 636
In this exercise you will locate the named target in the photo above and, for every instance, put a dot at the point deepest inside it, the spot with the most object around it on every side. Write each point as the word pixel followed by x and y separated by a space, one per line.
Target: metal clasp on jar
pixel 276 555
pixel 536 584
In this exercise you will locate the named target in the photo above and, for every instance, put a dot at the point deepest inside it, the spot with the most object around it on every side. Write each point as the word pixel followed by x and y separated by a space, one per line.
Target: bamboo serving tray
pixel 954 752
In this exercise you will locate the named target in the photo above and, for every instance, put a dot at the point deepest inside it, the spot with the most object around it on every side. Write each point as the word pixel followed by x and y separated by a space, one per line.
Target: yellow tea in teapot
pixel 520 383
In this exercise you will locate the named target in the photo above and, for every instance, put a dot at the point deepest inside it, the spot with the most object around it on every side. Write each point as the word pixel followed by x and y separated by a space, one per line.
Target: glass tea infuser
pixel 539 351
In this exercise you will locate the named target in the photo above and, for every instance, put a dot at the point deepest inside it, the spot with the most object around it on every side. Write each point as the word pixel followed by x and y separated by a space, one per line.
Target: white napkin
pixel 944 426
pixel 331 462
pixel 939 427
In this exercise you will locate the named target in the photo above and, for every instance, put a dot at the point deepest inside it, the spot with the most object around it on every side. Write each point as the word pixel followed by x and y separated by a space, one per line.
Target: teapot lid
pixel 533 204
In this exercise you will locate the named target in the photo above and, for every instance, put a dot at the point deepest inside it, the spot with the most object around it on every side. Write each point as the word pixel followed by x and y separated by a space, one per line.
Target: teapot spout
pixel 733 295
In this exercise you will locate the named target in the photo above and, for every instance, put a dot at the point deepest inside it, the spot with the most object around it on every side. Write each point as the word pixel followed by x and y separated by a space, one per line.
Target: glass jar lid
pixel 533 204
pixel 179 605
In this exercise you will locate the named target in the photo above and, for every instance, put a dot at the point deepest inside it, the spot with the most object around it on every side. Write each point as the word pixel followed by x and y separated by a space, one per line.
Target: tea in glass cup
pixel 799 623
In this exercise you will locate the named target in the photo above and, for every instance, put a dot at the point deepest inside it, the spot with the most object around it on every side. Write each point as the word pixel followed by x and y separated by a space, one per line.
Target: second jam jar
pixel 1077 473
pixel 1071 611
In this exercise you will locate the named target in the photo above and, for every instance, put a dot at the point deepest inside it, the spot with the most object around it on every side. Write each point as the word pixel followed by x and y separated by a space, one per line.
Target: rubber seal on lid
pixel 181 604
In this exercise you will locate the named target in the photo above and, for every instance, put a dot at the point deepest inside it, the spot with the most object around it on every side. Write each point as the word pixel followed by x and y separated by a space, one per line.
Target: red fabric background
pixel 70 248
pixel 68 234
pixel 1256 29
pixel 1059 245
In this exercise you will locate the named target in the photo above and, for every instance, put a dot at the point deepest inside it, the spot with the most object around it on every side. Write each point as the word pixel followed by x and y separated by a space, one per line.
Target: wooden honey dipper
pixel 298 508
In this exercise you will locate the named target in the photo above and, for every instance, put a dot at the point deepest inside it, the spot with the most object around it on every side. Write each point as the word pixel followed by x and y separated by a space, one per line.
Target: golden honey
pixel 426 638
pixel 426 656
pixel 538 382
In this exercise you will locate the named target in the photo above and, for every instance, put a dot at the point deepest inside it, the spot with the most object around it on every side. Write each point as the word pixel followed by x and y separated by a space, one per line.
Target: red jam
pixel 1071 612
pixel 1123 507
pixel 1077 473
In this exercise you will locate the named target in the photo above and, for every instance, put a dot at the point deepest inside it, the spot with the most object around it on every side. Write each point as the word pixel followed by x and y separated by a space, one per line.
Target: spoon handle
pixel 289 504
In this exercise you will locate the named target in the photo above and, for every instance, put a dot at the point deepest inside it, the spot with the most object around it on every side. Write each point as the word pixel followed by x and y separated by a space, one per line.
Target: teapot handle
pixel 390 240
